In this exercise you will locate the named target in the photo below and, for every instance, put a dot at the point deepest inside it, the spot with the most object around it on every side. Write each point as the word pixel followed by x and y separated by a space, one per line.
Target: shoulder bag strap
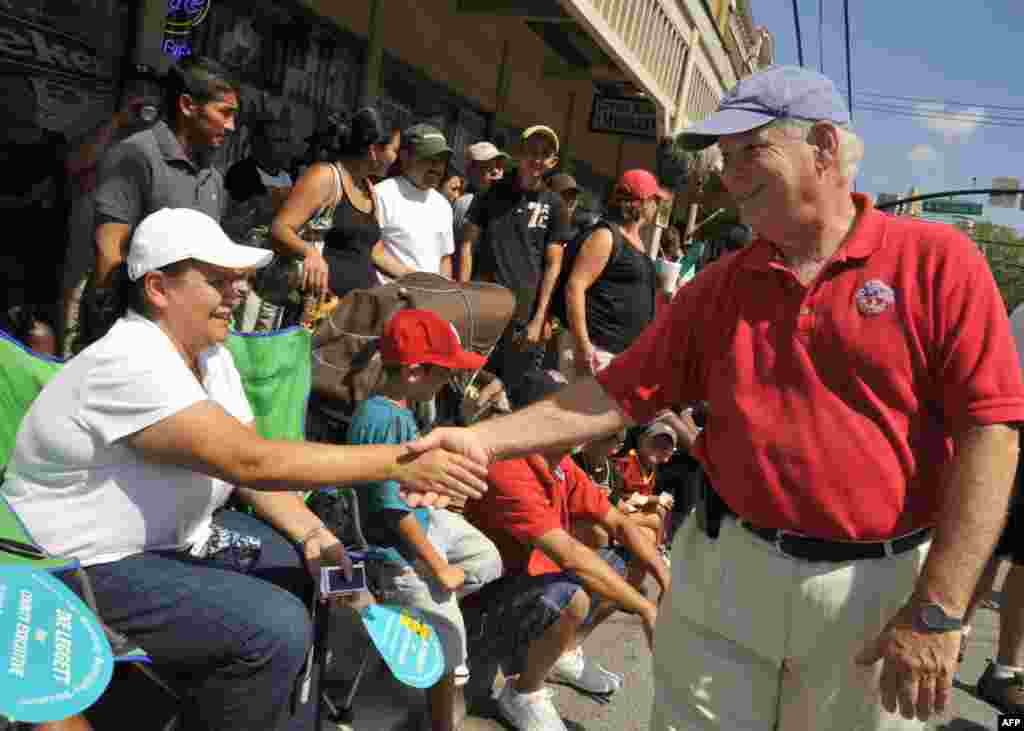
pixel 338 191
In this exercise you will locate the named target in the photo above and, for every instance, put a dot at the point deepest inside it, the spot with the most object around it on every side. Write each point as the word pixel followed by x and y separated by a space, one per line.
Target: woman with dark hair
pixel 610 292
pixel 337 198
pixel 453 184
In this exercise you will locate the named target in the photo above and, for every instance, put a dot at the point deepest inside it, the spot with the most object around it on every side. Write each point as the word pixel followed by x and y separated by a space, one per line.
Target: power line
pixel 849 58
pixel 945 102
pixel 923 115
pixel 943 114
pixel 799 36
pixel 939 114
pixel 821 37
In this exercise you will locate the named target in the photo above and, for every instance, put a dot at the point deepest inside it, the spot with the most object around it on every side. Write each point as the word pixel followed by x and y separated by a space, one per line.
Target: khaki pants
pixel 738 608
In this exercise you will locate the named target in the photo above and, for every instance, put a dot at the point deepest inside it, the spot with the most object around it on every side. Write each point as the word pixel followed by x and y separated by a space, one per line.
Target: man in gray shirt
pixel 168 165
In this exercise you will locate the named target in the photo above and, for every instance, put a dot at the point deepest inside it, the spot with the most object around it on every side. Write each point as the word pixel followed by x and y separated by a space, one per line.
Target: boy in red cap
pixel 424 557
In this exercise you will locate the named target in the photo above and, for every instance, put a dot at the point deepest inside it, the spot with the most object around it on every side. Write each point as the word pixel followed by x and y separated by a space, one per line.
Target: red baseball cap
pixel 641 185
pixel 414 336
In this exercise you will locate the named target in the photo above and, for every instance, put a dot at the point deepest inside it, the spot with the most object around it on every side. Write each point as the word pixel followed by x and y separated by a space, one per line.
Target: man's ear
pixel 187 105
pixel 154 286
pixel 824 137
pixel 552 162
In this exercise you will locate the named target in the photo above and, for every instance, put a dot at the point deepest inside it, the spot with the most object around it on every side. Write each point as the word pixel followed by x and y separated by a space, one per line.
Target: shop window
pixel 292 64
pixel 69 54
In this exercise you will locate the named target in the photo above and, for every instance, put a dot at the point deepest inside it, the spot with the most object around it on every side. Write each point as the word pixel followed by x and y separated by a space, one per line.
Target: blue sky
pixel 965 52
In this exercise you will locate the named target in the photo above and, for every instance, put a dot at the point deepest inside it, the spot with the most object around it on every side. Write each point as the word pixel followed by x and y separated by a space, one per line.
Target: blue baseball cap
pixel 776 92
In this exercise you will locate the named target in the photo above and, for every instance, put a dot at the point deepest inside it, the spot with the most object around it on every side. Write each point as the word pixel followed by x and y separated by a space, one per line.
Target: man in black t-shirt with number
pixel 515 234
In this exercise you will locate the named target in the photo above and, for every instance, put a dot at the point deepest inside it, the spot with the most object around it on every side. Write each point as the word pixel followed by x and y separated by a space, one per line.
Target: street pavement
pixel 383 704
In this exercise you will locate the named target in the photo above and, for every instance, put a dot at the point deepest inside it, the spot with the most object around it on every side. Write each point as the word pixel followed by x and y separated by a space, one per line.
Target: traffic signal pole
pixel 949 194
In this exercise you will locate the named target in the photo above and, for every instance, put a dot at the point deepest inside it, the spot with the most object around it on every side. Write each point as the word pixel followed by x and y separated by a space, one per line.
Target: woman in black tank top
pixel 348 247
pixel 336 199
pixel 610 291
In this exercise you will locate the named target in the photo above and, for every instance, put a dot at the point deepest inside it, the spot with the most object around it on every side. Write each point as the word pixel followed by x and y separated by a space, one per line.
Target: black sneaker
pixel 1006 694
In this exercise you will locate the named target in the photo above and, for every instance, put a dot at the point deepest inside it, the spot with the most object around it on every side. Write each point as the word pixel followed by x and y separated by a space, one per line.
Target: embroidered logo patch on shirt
pixel 875 297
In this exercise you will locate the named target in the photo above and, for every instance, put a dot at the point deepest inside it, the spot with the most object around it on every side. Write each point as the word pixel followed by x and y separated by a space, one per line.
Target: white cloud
pixel 926 164
pixel 955 125
pixel 922 154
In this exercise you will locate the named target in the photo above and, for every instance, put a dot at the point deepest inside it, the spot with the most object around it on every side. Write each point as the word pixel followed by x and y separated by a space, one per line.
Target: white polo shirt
pixel 78 488
pixel 415 224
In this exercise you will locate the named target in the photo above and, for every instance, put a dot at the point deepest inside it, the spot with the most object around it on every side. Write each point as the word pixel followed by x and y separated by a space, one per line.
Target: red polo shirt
pixel 832 406
pixel 525 501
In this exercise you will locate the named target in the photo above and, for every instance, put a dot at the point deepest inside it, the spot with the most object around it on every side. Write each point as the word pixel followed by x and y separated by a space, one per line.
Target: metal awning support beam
pixel 647 39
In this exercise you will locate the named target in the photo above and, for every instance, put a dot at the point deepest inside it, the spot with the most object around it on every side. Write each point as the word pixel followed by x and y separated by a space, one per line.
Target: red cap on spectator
pixel 641 185
pixel 420 336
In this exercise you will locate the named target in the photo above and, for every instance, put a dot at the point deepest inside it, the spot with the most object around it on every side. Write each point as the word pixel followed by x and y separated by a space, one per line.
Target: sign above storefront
pixel 621 115
pixel 40 49
pixel 182 17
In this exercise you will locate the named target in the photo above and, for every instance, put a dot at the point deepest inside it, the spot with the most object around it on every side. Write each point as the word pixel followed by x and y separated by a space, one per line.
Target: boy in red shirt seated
pixel 555 589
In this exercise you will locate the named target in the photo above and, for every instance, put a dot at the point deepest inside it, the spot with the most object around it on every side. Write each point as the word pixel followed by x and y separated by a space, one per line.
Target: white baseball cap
pixel 484 151
pixel 175 234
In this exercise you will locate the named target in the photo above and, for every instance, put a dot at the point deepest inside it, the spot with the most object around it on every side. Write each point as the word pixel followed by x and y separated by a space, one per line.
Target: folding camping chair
pixel 23 373
pixel 276 369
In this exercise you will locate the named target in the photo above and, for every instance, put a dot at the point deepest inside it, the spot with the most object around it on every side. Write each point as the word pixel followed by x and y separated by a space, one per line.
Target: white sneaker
pixel 573 668
pixel 529 711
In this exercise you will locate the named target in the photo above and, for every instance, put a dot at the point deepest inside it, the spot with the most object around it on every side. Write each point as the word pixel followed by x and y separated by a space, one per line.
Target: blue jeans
pixel 233 643
pixel 511 613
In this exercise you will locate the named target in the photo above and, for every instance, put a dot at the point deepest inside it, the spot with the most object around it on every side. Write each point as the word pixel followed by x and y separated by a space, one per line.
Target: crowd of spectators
pixel 558 546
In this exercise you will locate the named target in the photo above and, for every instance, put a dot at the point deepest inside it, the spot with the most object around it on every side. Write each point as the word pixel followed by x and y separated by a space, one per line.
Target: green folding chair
pixel 276 370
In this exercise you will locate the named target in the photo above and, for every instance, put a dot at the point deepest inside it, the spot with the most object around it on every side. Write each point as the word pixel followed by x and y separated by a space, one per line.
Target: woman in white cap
pixel 124 459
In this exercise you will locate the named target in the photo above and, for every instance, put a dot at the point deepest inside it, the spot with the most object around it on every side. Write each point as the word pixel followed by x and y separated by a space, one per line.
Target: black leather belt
pixel 819 549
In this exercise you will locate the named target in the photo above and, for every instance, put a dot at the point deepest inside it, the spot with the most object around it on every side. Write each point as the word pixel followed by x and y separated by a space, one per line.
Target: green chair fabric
pixel 23 373
pixel 276 369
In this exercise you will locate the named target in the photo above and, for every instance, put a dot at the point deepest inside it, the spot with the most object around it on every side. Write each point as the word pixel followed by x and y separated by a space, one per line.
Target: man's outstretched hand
pixel 436 471
pixel 459 444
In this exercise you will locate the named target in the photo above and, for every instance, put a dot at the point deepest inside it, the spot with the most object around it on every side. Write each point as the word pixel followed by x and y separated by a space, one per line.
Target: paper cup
pixel 668 275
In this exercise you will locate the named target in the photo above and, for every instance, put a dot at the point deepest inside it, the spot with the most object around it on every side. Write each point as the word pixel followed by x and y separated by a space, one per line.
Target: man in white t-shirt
pixel 416 220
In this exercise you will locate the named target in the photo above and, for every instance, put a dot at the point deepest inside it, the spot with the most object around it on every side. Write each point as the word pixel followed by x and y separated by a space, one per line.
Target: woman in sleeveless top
pixel 610 292
pixel 336 199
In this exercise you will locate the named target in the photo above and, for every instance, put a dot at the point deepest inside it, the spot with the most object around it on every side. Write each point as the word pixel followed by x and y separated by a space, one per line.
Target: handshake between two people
pixel 450 464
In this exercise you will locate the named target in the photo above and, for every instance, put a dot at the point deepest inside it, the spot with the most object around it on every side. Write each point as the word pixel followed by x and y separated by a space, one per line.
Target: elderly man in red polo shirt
pixel 863 395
